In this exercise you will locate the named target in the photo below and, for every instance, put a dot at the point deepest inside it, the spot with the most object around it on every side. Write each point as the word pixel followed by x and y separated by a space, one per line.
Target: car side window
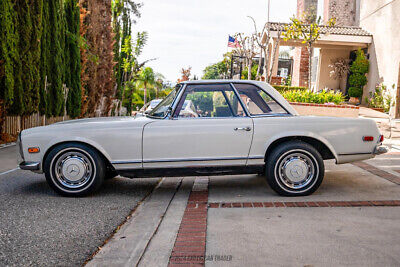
pixel 210 100
pixel 257 101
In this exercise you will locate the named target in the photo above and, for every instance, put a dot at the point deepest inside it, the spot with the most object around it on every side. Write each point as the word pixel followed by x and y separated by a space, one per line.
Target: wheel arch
pixel 325 149
pixel 54 145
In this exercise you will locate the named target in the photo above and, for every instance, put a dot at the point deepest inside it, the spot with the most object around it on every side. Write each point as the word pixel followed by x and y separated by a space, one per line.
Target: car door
pixel 208 128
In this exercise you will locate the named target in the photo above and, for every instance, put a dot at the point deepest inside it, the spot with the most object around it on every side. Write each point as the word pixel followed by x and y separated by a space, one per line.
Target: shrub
pixel 306 96
pixel 283 88
pixel 381 98
pixel 360 64
pixel 357 79
pixel 355 91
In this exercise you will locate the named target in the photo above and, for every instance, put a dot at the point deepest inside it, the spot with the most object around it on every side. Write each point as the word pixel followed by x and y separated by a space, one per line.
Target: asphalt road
pixel 38 227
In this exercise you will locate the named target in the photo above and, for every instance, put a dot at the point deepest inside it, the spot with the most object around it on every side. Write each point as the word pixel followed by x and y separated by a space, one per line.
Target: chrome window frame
pixel 168 114
pixel 176 102
pixel 287 114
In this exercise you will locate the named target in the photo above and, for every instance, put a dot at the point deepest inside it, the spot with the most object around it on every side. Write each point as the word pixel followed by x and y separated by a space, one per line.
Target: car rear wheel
pixel 74 169
pixel 295 168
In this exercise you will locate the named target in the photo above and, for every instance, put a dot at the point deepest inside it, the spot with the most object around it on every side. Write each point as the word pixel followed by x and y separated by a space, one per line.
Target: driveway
pixel 41 228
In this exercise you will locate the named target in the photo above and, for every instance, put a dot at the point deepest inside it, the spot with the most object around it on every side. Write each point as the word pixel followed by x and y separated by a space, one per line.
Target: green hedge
pixel 311 97
pixel 284 88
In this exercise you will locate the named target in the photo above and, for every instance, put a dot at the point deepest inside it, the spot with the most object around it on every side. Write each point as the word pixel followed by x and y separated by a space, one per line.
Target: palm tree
pixel 146 78
pixel 159 80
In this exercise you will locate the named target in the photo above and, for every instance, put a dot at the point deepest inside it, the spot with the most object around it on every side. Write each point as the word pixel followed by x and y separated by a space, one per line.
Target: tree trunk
pixel 265 68
pixel 145 95
pixel 274 54
pixel 249 69
pixel 259 65
pixel 2 116
pixel 309 65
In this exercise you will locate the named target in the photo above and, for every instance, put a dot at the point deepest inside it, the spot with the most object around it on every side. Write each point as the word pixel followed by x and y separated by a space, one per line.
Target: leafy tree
pixel 247 49
pixel 55 101
pixel 99 80
pixel 185 74
pixel 159 83
pixel 72 58
pixel 253 72
pixel 8 53
pixel 307 28
pixel 124 13
pixel 219 70
pixel 146 78
pixel 131 65
pixel 45 58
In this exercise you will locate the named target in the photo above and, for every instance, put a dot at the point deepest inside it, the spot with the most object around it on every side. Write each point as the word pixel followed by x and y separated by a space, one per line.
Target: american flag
pixel 233 42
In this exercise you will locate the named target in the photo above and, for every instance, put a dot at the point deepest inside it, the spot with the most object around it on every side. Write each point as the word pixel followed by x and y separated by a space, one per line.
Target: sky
pixel 194 33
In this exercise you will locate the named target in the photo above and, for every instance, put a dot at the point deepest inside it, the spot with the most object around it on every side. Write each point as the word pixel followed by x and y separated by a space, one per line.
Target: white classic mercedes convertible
pixel 215 127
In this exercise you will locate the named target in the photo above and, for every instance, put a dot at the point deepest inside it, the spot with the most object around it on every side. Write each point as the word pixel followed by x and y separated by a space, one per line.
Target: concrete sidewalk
pixel 352 220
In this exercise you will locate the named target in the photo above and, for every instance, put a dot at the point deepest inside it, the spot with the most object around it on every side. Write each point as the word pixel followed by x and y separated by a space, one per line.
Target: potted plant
pixel 357 79
pixel 380 100
pixel 355 94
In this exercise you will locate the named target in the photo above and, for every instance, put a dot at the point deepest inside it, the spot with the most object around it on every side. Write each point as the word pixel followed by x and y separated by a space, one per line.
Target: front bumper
pixel 380 150
pixel 30 166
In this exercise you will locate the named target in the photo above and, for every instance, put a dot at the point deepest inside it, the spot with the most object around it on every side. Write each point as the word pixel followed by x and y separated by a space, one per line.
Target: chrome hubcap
pixel 73 169
pixel 296 170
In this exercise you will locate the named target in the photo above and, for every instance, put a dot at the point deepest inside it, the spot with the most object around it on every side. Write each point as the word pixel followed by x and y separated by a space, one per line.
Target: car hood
pixel 91 124
pixel 96 120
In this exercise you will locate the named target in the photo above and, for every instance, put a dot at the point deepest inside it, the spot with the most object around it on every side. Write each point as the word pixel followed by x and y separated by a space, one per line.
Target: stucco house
pixel 371 25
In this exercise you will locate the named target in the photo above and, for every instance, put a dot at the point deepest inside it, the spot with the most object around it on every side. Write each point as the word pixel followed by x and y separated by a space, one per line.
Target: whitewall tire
pixel 74 169
pixel 294 168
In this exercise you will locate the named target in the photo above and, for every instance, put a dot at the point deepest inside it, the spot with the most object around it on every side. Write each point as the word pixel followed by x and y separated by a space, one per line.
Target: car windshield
pixel 154 103
pixel 161 110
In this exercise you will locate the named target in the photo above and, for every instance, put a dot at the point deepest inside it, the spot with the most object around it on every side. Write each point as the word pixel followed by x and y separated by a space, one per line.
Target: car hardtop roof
pixel 222 81
pixel 265 86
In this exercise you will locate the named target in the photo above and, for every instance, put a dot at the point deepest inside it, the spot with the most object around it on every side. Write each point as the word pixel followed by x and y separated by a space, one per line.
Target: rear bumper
pixel 380 150
pixel 31 166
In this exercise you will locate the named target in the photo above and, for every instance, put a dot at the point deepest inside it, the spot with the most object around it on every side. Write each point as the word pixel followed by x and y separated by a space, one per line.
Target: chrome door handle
pixel 247 129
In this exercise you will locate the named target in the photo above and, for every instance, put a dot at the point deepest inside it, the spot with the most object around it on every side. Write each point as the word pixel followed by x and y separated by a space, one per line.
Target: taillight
pixel 368 138
pixel 381 138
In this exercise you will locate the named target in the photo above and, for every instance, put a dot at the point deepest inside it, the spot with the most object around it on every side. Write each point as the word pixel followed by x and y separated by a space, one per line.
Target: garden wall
pixel 326 110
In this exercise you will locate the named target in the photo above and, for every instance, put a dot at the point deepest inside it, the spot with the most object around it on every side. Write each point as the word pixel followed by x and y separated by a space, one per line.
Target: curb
pixel 7 145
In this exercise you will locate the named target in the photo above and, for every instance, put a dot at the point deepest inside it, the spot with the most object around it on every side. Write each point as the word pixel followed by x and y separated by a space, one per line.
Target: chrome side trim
pixel 184 160
pixel 256 157
pixel 125 161
pixel 30 166
pixel 351 154
pixel 194 159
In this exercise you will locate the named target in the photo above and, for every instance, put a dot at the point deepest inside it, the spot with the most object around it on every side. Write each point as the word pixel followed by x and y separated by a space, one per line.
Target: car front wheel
pixel 294 168
pixel 74 169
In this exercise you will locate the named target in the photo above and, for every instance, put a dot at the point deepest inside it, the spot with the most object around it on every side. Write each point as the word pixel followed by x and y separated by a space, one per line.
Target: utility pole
pixel 267 51
pixel 397 98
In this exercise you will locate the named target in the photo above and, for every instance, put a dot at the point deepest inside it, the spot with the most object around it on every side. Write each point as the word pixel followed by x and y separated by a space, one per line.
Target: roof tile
pixel 339 30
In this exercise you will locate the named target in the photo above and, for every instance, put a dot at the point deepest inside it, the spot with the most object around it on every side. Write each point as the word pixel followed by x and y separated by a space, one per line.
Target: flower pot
pixel 354 100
